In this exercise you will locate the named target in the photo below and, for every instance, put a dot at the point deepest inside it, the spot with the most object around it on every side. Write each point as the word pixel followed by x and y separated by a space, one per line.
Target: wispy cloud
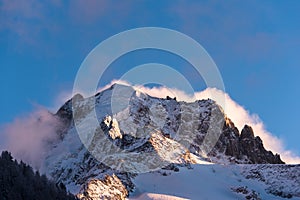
pixel 42 25
pixel 228 25
pixel 29 137
pixel 88 12
pixel 27 23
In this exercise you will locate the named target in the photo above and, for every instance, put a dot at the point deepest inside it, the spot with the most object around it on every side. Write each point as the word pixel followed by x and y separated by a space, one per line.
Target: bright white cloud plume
pixel 237 113
pixel 240 116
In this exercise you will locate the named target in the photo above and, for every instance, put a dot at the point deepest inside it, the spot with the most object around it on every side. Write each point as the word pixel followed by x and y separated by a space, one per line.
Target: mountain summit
pixel 136 133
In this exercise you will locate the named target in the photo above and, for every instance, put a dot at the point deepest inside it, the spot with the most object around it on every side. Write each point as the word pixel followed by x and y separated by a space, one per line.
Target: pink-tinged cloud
pixel 17 15
pixel 28 9
pixel 29 137
pixel 86 12
pixel 26 21
pixel 228 25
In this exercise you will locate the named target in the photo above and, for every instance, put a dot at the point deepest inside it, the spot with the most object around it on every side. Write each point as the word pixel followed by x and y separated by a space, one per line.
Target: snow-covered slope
pixel 137 134
pixel 224 182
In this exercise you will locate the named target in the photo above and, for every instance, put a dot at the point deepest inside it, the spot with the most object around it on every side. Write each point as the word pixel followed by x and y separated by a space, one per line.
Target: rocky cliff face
pixel 243 147
pixel 168 132
pixel 253 148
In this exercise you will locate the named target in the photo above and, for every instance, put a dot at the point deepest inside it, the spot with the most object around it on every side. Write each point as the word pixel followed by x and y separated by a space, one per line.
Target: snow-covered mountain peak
pixel 122 132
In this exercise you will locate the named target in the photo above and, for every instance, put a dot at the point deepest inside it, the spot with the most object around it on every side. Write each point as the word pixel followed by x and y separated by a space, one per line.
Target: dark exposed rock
pixel 247 133
pixel 249 194
pixel 170 98
pixel 245 147
pixel 280 193
pixel 253 148
pixel 65 115
pixel 65 111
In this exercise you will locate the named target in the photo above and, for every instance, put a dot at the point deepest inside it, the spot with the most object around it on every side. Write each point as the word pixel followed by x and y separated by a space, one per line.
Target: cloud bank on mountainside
pixel 29 137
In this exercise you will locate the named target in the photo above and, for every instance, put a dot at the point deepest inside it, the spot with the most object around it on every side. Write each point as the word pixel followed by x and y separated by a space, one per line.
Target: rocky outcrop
pixel 110 126
pixel 244 147
pixel 65 111
pixel 109 188
pixel 249 194
pixel 253 148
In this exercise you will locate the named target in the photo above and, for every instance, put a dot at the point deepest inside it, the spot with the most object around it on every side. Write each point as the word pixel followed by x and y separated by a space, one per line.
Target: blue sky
pixel 255 44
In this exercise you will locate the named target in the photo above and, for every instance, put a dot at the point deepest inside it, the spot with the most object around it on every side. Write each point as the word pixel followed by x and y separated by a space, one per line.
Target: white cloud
pixel 237 113
pixel 240 116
